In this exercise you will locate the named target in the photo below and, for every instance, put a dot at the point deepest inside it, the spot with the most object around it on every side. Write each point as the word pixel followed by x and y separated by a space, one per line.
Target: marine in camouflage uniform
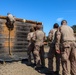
pixel 10 21
pixel 30 46
pixel 65 37
pixel 38 38
pixel 53 52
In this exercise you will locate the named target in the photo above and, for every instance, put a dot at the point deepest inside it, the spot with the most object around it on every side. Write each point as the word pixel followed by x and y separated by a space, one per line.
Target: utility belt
pixel 69 41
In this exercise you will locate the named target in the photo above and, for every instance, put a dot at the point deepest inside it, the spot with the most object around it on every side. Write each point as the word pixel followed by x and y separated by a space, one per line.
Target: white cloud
pixel 59 19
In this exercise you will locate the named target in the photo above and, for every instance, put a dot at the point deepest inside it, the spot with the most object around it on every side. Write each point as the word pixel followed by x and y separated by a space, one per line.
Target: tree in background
pixel 74 28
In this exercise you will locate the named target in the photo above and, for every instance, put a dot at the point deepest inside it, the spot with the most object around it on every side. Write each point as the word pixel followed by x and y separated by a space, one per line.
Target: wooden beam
pixel 21 20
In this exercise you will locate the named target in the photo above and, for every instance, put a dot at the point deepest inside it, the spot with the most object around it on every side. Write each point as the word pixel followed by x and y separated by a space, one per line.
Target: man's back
pixel 67 33
pixel 52 35
pixel 39 36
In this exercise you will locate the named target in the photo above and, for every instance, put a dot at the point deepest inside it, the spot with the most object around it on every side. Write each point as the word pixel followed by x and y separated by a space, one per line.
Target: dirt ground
pixel 19 68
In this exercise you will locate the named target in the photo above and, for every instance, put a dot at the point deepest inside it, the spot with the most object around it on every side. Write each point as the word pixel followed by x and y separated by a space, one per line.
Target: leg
pixel 42 56
pixel 65 53
pixel 29 58
pixel 33 53
pixel 37 55
pixel 73 59
pixel 57 62
pixel 29 54
pixel 50 58
pixel 34 56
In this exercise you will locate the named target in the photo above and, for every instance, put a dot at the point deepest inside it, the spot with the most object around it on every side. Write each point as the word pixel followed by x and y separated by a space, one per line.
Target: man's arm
pixel 58 40
pixel 28 37
pixel 34 36
pixel 45 37
pixel 50 35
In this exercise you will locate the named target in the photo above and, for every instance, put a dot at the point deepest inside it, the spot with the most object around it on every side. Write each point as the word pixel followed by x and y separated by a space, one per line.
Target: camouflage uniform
pixel 38 37
pixel 30 47
pixel 52 52
pixel 68 51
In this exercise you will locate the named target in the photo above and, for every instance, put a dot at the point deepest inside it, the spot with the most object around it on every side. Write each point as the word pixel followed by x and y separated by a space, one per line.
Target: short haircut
pixel 56 25
pixel 31 29
pixel 63 22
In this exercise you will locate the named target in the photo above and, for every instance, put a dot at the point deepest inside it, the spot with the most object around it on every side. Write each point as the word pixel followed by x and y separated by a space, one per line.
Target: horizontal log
pixel 22 31
pixel 19 51
pixel 21 20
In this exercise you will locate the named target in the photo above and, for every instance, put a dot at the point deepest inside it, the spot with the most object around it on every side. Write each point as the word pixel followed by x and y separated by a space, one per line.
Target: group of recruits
pixel 62 46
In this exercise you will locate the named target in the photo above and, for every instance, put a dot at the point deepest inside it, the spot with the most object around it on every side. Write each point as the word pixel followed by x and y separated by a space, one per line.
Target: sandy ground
pixel 19 68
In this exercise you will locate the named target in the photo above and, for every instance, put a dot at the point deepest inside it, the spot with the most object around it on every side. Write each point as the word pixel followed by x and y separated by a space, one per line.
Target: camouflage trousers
pixel 68 53
pixel 51 54
pixel 31 50
pixel 39 55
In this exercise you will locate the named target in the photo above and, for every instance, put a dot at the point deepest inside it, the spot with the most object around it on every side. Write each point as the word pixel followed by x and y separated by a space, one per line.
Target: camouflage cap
pixel 39 26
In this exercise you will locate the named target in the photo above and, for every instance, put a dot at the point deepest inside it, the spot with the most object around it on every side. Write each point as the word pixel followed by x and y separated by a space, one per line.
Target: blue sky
pixel 46 11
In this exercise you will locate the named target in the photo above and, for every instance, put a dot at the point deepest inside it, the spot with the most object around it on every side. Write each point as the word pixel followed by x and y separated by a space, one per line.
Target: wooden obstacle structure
pixel 13 44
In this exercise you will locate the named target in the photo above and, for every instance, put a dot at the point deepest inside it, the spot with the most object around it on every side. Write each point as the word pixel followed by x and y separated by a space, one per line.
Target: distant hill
pixel 74 28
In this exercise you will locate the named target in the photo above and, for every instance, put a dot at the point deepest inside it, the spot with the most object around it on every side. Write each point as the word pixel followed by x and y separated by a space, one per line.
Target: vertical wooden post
pixel 9 43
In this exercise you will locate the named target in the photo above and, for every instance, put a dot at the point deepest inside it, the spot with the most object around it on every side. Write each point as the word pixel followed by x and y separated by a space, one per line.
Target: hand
pixel 58 51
